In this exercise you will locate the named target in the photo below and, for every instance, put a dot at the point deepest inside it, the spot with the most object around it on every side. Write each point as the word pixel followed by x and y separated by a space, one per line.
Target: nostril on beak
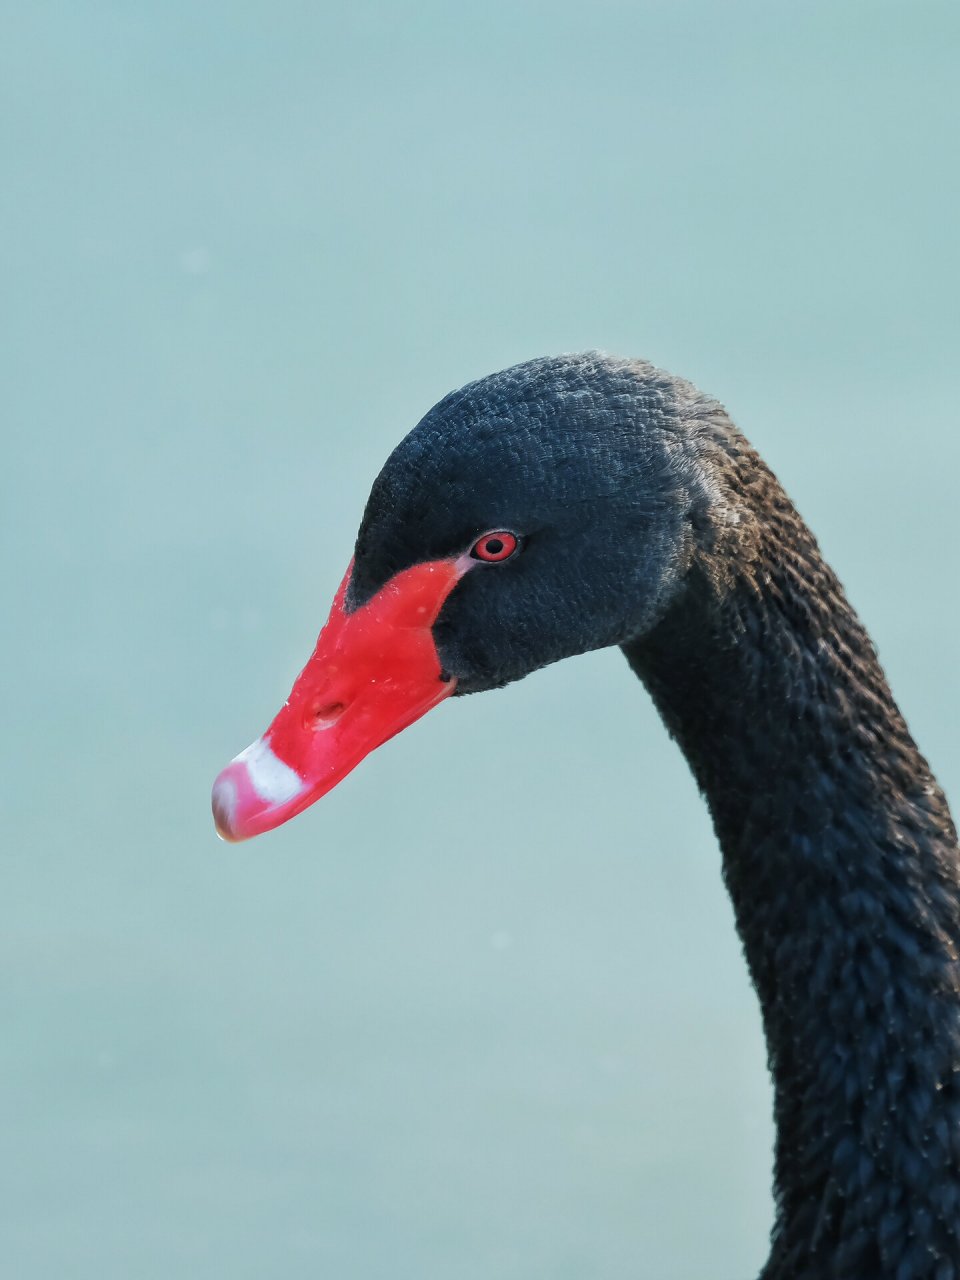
pixel 327 714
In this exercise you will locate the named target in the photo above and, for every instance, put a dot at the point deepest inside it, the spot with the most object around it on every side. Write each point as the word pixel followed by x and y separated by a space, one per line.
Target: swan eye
pixel 496 546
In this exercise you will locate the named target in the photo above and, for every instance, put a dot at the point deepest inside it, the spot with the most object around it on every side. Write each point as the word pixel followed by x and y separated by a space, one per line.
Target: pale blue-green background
pixel 441 1026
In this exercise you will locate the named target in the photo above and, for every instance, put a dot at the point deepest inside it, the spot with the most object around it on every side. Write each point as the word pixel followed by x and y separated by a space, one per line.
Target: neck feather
pixel 841 860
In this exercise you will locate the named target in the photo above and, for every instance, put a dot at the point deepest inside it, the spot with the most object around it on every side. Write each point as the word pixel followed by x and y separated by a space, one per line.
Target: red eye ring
pixel 495 546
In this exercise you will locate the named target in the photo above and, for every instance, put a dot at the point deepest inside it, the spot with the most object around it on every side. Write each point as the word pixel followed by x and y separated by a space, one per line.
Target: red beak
pixel 373 672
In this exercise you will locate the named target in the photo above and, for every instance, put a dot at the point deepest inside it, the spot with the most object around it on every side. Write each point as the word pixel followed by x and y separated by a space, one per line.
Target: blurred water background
pixel 435 1027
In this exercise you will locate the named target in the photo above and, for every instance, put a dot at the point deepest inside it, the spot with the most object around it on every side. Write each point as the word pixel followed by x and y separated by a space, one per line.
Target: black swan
pixel 576 502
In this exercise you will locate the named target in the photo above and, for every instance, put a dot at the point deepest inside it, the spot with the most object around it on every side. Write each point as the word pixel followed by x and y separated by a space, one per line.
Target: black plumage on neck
pixel 841 859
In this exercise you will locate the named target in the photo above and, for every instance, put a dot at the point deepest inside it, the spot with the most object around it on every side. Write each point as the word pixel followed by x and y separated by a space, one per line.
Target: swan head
pixel 541 512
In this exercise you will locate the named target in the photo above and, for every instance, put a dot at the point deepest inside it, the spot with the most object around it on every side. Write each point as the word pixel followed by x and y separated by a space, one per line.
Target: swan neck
pixel 841 860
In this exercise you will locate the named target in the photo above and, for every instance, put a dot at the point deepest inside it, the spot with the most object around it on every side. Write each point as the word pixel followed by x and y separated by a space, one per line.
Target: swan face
pixel 573 456
pixel 535 514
